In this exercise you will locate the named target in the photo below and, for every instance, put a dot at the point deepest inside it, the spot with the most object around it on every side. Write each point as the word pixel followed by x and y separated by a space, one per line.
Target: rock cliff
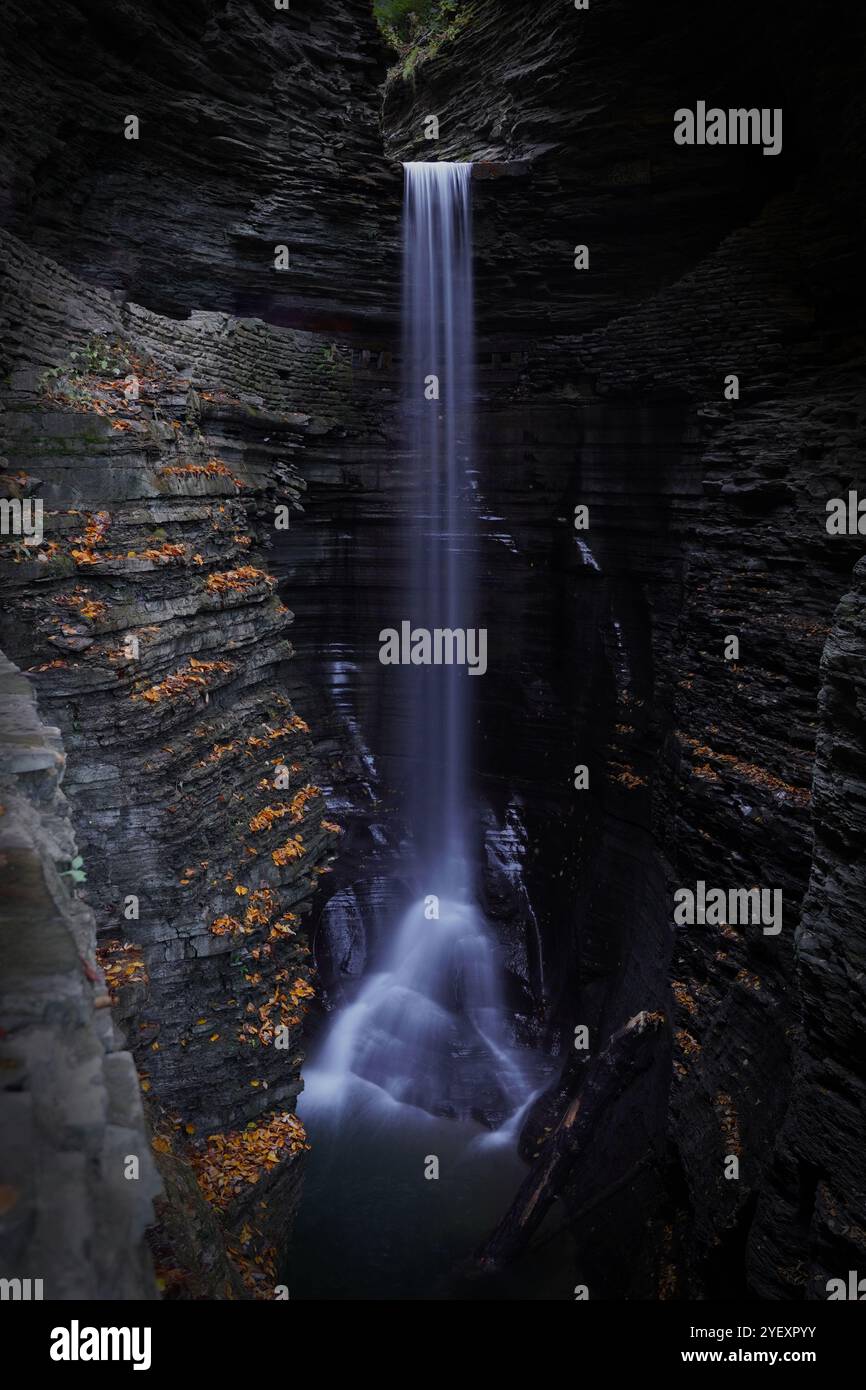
pixel 706 520
pixel 257 128
pixel 166 390
pixel 74 1209
pixel 166 454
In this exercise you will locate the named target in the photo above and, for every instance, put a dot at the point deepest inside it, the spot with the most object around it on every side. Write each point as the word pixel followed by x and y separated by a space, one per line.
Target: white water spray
pixel 428 1028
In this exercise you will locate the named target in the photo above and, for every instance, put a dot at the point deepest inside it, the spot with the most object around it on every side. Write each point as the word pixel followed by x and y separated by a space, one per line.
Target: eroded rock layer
pixel 602 387
pixel 605 387
pixel 258 128
pixel 150 630
pixel 148 620
pixel 73 1218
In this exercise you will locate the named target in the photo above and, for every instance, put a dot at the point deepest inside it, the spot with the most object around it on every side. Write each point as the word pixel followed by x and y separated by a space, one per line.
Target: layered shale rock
pixel 150 629
pixel 73 1209
pixel 148 620
pixel 571 113
pixel 809 1225
pixel 606 388
pixel 602 388
pixel 258 128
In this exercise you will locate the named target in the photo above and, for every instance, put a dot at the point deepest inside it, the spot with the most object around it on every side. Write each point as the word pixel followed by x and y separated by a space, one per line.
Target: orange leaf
pixel 8 1198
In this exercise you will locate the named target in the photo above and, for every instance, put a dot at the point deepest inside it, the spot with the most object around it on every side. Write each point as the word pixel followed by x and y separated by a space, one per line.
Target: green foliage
pixel 98 357
pixel 399 18
pixel 416 29
pixel 330 362
pixel 75 871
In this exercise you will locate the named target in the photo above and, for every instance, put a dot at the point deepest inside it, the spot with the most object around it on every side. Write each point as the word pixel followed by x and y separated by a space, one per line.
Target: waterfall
pixel 438 356
pixel 428 1025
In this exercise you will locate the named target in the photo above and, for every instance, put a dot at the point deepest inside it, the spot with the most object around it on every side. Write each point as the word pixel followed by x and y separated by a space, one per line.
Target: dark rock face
pixel 258 128
pixel 70 1110
pixel 602 388
pixel 153 512
pixel 147 537
pixel 808 1227
pixel 707 519
pixel 571 113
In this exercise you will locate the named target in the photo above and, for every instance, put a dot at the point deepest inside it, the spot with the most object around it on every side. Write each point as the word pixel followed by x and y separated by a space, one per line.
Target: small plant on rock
pixel 75 870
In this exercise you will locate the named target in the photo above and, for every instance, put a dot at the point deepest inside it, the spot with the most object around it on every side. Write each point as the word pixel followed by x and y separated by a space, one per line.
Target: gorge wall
pixel 71 1108
pixel 605 388
pixel 259 388
pixel 147 619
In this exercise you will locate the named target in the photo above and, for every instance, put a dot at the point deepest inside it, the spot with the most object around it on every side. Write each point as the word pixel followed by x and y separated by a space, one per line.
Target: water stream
pixel 421 1063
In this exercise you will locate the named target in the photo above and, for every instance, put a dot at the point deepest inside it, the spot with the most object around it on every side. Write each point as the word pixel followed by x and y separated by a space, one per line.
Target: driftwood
pixel 628 1053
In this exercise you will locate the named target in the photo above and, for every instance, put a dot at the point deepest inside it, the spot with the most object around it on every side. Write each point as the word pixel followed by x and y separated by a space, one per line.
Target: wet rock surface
pixel 808 1225
pixel 706 519
pixel 150 629
pixel 602 388
pixel 258 128
pixel 148 622
pixel 71 1113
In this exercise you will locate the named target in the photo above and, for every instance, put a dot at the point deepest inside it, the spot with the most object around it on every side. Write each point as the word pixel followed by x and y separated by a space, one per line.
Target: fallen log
pixel 627 1054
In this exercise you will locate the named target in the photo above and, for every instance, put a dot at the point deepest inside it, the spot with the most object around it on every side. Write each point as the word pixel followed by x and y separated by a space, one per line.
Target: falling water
pixel 428 1026
pixel 438 355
